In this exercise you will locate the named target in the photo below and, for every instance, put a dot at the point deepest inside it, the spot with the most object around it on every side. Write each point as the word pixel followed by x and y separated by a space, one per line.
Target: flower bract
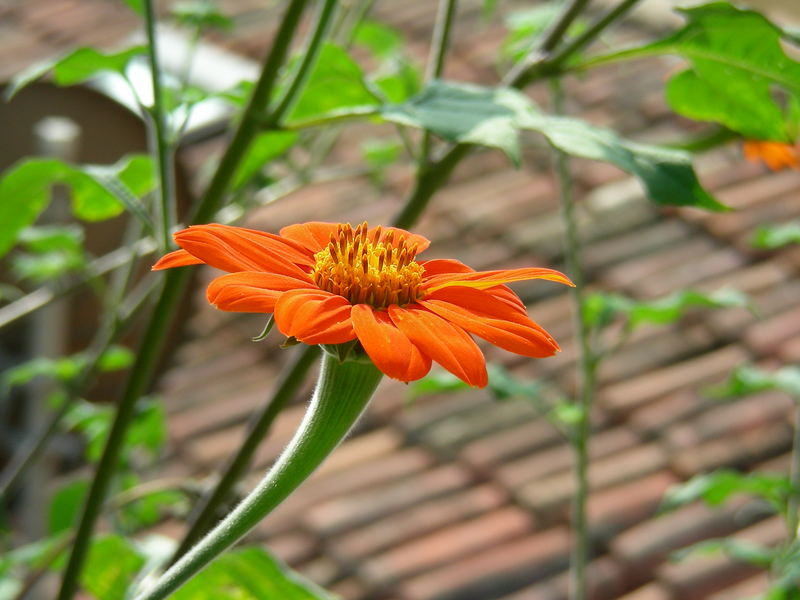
pixel 330 283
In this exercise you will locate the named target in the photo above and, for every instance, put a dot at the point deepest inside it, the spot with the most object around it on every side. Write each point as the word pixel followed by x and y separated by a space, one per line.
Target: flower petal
pixel 178 258
pixel 494 320
pixel 252 291
pixel 387 346
pixel 314 317
pixel 442 266
pixel 486 279
pixel 236 249
pixel 313 235
pixel 447 344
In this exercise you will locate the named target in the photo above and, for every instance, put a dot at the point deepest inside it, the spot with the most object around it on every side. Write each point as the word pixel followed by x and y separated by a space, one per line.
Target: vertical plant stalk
pixel 205 514
pixel 587 367
pixel 159 134
pixel 172 290
pixel 343 391
pixel 793 506
pixel 440 43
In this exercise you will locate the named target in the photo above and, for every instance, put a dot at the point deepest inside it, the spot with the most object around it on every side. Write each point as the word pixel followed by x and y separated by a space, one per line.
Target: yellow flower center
pixel 367 269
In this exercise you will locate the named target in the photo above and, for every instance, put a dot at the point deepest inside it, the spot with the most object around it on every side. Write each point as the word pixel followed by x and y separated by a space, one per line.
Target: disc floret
pixel 374 269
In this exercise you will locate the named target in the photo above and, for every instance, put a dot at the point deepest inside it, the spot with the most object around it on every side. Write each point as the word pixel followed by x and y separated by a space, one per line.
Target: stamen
pixel 364 268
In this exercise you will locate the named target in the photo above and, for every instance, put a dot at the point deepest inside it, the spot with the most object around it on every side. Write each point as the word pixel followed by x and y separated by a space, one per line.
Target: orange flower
pixel 328 283
pixel 776 155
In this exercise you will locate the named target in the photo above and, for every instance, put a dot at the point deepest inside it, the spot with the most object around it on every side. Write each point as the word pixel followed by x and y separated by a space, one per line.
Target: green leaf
pixel 200 14
pixel 249 574
pixel 149 430
pixel 739 550
pixel 53 251
pixel 336 82
pixel 748 379
pixel 135 6
pixel 266 147
pixel 718 487
pixel 397 80
pixel 737 60
pixel 737 106
pixel 381 40
pixel 503 385
pixel 76 67
pixel 770 237
pixel 50 238
pixel 380 153
pixel 111 567
pixel 128 180
pixel 66 505
pixel 115 358
pixel 22 198
pixel 60 369
pixel 152 507
pixel 436 382
pixel 460 112
pixel 666 174
pixel 601 308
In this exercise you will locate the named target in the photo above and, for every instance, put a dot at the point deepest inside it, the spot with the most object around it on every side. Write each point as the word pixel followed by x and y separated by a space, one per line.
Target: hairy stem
pixel 793 507
pixel 159 134
pixel 439 46
pixel 587 365
pixel 205 514
pixel 343 391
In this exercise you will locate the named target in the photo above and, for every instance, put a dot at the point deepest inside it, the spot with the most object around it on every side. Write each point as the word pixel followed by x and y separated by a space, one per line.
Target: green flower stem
pixel 793 506
pixel 439 46
pixel 342 393
pixel 588 368
pixel 206 512
pixel 159 134
pixel 172 290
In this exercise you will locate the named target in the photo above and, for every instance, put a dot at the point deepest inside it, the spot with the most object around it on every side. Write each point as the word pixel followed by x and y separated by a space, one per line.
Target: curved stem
pixel 342 393
pixel 159 133
pixel 205 514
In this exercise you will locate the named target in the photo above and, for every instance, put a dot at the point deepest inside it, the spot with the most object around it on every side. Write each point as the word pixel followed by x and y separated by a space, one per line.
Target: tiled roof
pixel 462 497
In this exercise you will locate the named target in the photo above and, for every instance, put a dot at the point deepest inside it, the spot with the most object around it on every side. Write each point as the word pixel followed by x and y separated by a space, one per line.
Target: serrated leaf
pixel 335 82
pixel 111 567
pixel 737 106
pixel 250 574
pixel 266 147
pixel 466 113
pixel 737 59
pixel 666 174
pixel 770 237
pixel 76 67
pixel 65 506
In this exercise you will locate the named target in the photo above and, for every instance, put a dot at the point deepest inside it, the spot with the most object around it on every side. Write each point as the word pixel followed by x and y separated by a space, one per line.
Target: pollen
pixel 374 269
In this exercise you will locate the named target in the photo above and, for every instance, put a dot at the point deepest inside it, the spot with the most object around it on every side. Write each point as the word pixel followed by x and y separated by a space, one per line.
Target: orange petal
pixel 178 258
pixel 486 279
pixel 493 320
pixel 313 235
pixel 314 317
pixel 442 266
pixel 447 344
pixel 387 346
pixel 236 249
pixel 251 291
